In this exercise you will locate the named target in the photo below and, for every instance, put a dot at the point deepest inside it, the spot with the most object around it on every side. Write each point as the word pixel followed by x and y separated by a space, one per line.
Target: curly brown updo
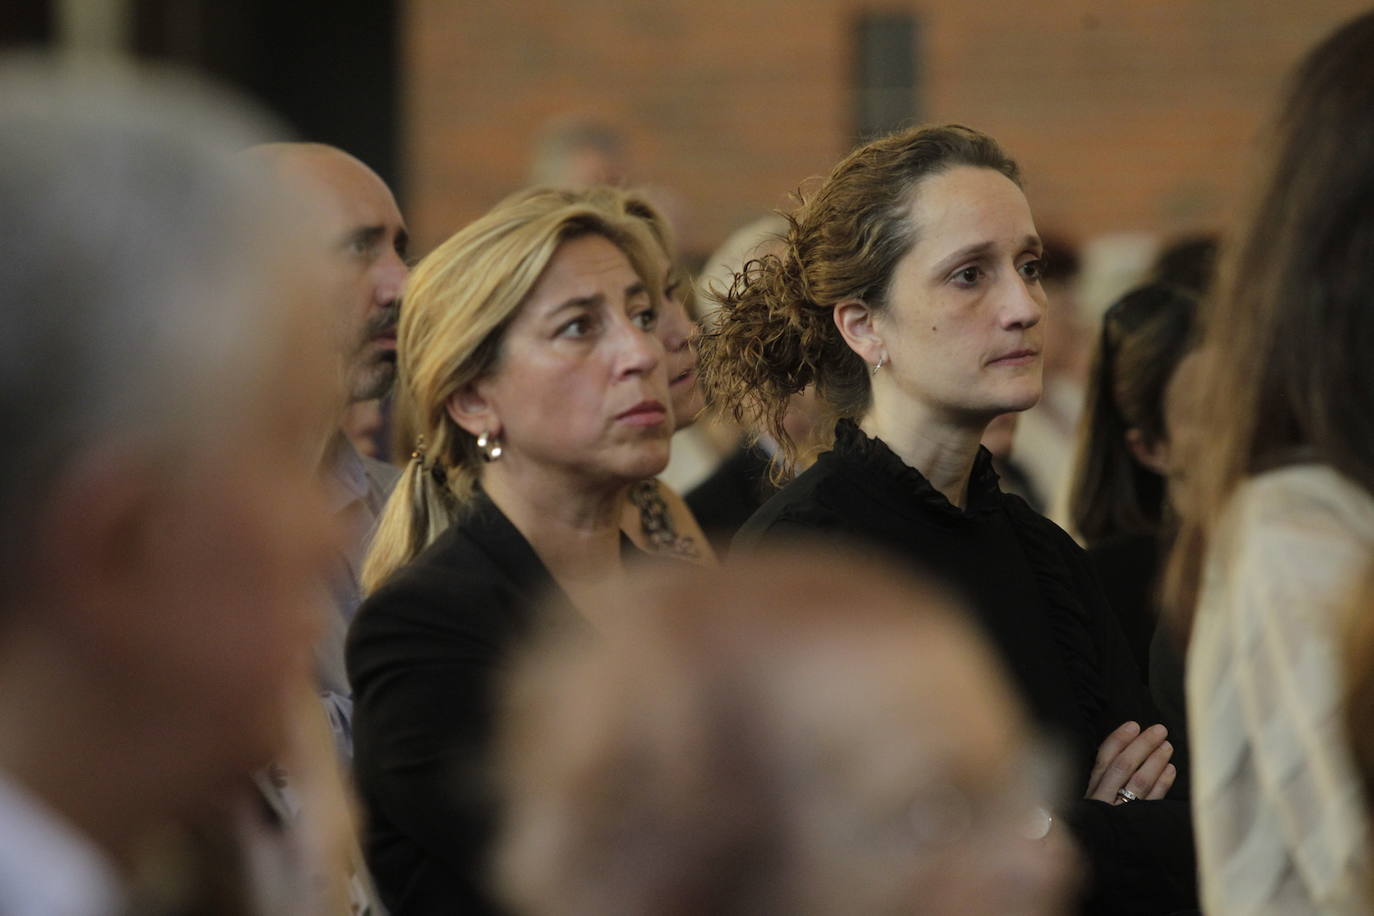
pixel 775 333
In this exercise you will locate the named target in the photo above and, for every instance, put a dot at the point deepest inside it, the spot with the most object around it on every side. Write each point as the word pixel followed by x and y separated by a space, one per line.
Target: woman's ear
pixel 1153 455
pixel 854 318
pixel 473 411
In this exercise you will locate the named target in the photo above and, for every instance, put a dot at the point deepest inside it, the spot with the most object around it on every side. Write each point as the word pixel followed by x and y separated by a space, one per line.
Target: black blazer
pixel 1035 594
pixel 425 654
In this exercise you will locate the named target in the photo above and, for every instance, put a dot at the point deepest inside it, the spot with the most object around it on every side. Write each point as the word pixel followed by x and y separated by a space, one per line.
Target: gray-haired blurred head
pixel 802 733
pixel 165 397
pixel 140 289
pixel 578 151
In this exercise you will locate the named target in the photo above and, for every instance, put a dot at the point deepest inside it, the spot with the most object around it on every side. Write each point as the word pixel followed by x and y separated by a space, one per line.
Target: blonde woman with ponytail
pixel 529 366
pixel 907 292
pixel 656 518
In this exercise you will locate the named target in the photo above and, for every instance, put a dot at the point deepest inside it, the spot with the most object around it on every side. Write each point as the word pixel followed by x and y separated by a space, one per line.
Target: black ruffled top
pixel 983 493
pixel 1036 596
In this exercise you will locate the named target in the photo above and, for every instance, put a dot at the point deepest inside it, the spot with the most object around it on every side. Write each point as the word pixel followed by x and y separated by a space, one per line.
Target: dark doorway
pixel 25 23
pixel 887 73
pixel 329 68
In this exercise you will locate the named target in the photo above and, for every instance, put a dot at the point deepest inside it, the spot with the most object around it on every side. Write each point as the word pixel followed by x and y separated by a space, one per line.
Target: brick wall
pixel 1125 114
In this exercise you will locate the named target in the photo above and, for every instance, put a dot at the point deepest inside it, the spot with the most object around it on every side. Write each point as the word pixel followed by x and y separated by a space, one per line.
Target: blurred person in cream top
pixel 1278 808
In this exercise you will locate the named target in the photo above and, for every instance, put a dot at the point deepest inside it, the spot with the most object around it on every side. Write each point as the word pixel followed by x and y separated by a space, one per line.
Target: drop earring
pixel 491 449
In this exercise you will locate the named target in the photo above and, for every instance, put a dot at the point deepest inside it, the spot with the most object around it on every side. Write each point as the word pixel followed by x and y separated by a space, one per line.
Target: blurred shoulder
pixel 381 477
pixel 811 504
pixel 1302 530
pixel 1305 495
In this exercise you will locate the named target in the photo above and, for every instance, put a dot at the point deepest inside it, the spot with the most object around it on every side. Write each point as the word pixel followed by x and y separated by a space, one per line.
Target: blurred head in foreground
pixel 798 734
pixel 163 405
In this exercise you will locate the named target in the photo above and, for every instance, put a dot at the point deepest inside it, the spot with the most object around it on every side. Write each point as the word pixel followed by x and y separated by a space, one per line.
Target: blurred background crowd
pixel 660 457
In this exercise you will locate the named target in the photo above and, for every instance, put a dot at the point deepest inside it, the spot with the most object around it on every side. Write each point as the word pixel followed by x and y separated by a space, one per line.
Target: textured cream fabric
pixel 1278 809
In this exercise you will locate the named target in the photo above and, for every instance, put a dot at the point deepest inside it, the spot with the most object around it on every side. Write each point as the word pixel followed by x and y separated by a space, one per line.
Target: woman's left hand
pixel 1133 764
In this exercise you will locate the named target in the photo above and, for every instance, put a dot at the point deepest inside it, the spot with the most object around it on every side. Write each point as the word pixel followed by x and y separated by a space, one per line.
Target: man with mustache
pixel 358 231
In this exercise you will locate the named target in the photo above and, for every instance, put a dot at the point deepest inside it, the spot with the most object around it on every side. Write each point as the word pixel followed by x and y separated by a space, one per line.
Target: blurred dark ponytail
pixel 1145 335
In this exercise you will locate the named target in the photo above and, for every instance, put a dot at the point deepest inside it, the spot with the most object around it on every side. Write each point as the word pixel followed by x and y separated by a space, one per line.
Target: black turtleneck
pixel 1037 599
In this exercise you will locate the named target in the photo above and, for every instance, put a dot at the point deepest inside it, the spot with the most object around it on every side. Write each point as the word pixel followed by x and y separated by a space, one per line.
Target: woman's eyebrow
pixel 593 300
pixel 963 254
pixel 980 250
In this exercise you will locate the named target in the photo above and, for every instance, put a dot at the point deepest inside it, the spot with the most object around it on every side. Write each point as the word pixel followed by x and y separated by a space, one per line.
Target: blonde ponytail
pixel 419 510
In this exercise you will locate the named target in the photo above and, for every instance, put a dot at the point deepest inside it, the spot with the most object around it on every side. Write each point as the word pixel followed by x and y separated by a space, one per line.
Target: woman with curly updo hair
pixel 908 293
